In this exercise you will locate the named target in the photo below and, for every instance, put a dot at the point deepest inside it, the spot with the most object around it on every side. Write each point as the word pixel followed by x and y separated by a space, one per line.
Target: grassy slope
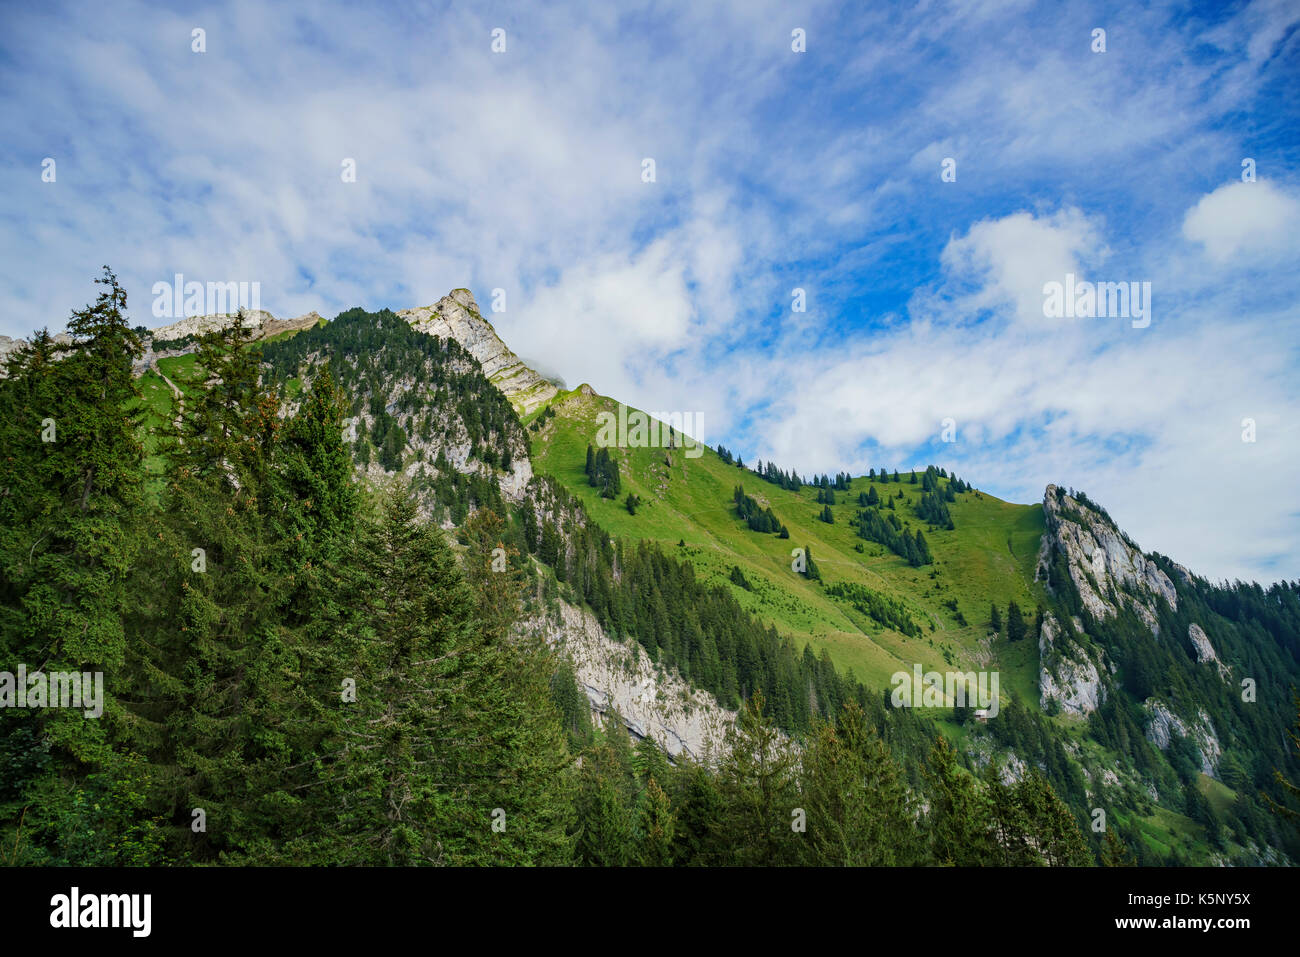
pixel 989 557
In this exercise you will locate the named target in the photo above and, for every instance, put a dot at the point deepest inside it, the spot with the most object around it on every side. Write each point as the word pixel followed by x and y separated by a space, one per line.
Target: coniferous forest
pixel 306 666
pixel 522 439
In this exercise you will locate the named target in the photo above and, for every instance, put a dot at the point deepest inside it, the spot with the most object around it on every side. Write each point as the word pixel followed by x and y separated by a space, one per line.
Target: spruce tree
pixel 959 823
pixel 758 782
pixel 1015 623
pixel 73 528
pixel 655 826
pixel 858 813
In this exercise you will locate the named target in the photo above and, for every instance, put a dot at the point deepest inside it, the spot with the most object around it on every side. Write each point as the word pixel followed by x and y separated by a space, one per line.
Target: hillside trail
pixel 177 394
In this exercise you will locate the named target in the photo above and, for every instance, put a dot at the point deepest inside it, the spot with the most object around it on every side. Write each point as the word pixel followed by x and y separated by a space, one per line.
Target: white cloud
pixel 1013 257
pixel 1258 220
pixel 1148 422
pixel 776 170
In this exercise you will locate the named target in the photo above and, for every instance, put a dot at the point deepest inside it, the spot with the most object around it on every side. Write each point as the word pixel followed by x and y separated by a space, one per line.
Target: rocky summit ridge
pixel 454 316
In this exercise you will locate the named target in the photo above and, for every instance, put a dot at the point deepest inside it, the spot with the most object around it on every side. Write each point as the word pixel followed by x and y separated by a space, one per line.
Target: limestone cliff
pixel 620 676
pixel 1067 674
pixel 1163 724
pixel 1106 566
pixel 456 316
pixel 1205 653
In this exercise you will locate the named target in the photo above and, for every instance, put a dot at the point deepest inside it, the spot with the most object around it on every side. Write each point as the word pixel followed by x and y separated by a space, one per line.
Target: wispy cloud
pixel 775 170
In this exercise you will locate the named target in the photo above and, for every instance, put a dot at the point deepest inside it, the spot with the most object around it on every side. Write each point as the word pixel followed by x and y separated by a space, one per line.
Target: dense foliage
pixel 300 669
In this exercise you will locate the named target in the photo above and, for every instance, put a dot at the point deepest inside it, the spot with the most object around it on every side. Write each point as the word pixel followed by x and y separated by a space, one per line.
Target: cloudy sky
pixel 774 170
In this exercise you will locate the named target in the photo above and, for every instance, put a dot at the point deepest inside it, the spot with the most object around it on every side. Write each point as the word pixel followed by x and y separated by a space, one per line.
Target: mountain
pixel 1119 645
pixel 676 585
pixel 456 316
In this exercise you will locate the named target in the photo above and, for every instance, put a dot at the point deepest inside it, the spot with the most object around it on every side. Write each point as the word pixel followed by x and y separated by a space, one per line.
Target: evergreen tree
pixel 72 514
pixel 959 824
pixel 1014 840
pixel 1115 853
pixel 1056 832
pixel 1015 623
pixel 655 826
pixel 758 783
pixel 858 812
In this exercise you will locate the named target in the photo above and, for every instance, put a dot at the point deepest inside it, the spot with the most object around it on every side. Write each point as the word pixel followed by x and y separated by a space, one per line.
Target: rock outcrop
pixel 456 316
pixel 9 345
pixel 620 676
pixel 1205 653
pixel 1106 567
pixel 1163 724
pixel 195 326
pixel 1068 677
pixel 178 338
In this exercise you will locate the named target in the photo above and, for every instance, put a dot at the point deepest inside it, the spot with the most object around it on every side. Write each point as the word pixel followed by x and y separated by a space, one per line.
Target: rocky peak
pixel 1106 566
pixel 456 316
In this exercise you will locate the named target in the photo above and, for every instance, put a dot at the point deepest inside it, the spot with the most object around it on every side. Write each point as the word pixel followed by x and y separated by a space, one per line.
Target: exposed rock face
pixel 276 326
pixel 1205 652
pixel 1071 680
pixel 254 319
pixel 448 440
pixel 1105 566
pixel 262 325
pixel 1162 724
pixel 620 676
pixel 1011 767
pixel 8 345
pixel 456 316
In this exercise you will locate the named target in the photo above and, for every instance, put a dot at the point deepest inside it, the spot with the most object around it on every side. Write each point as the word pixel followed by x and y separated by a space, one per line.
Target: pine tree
pixel 1013 836
pixel 73 516
pixel 440 697
pixel 698 837
pixel 1115 853
pixel 959 824
pixel 655 826
pixel 605 825
pixel 1015 623
pixel 1056 832
pixel 758 784
pixel 317 475
pixel 858 812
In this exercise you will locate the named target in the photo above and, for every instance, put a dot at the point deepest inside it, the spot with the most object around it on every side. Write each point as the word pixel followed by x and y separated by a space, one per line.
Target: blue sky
pixel 775 170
